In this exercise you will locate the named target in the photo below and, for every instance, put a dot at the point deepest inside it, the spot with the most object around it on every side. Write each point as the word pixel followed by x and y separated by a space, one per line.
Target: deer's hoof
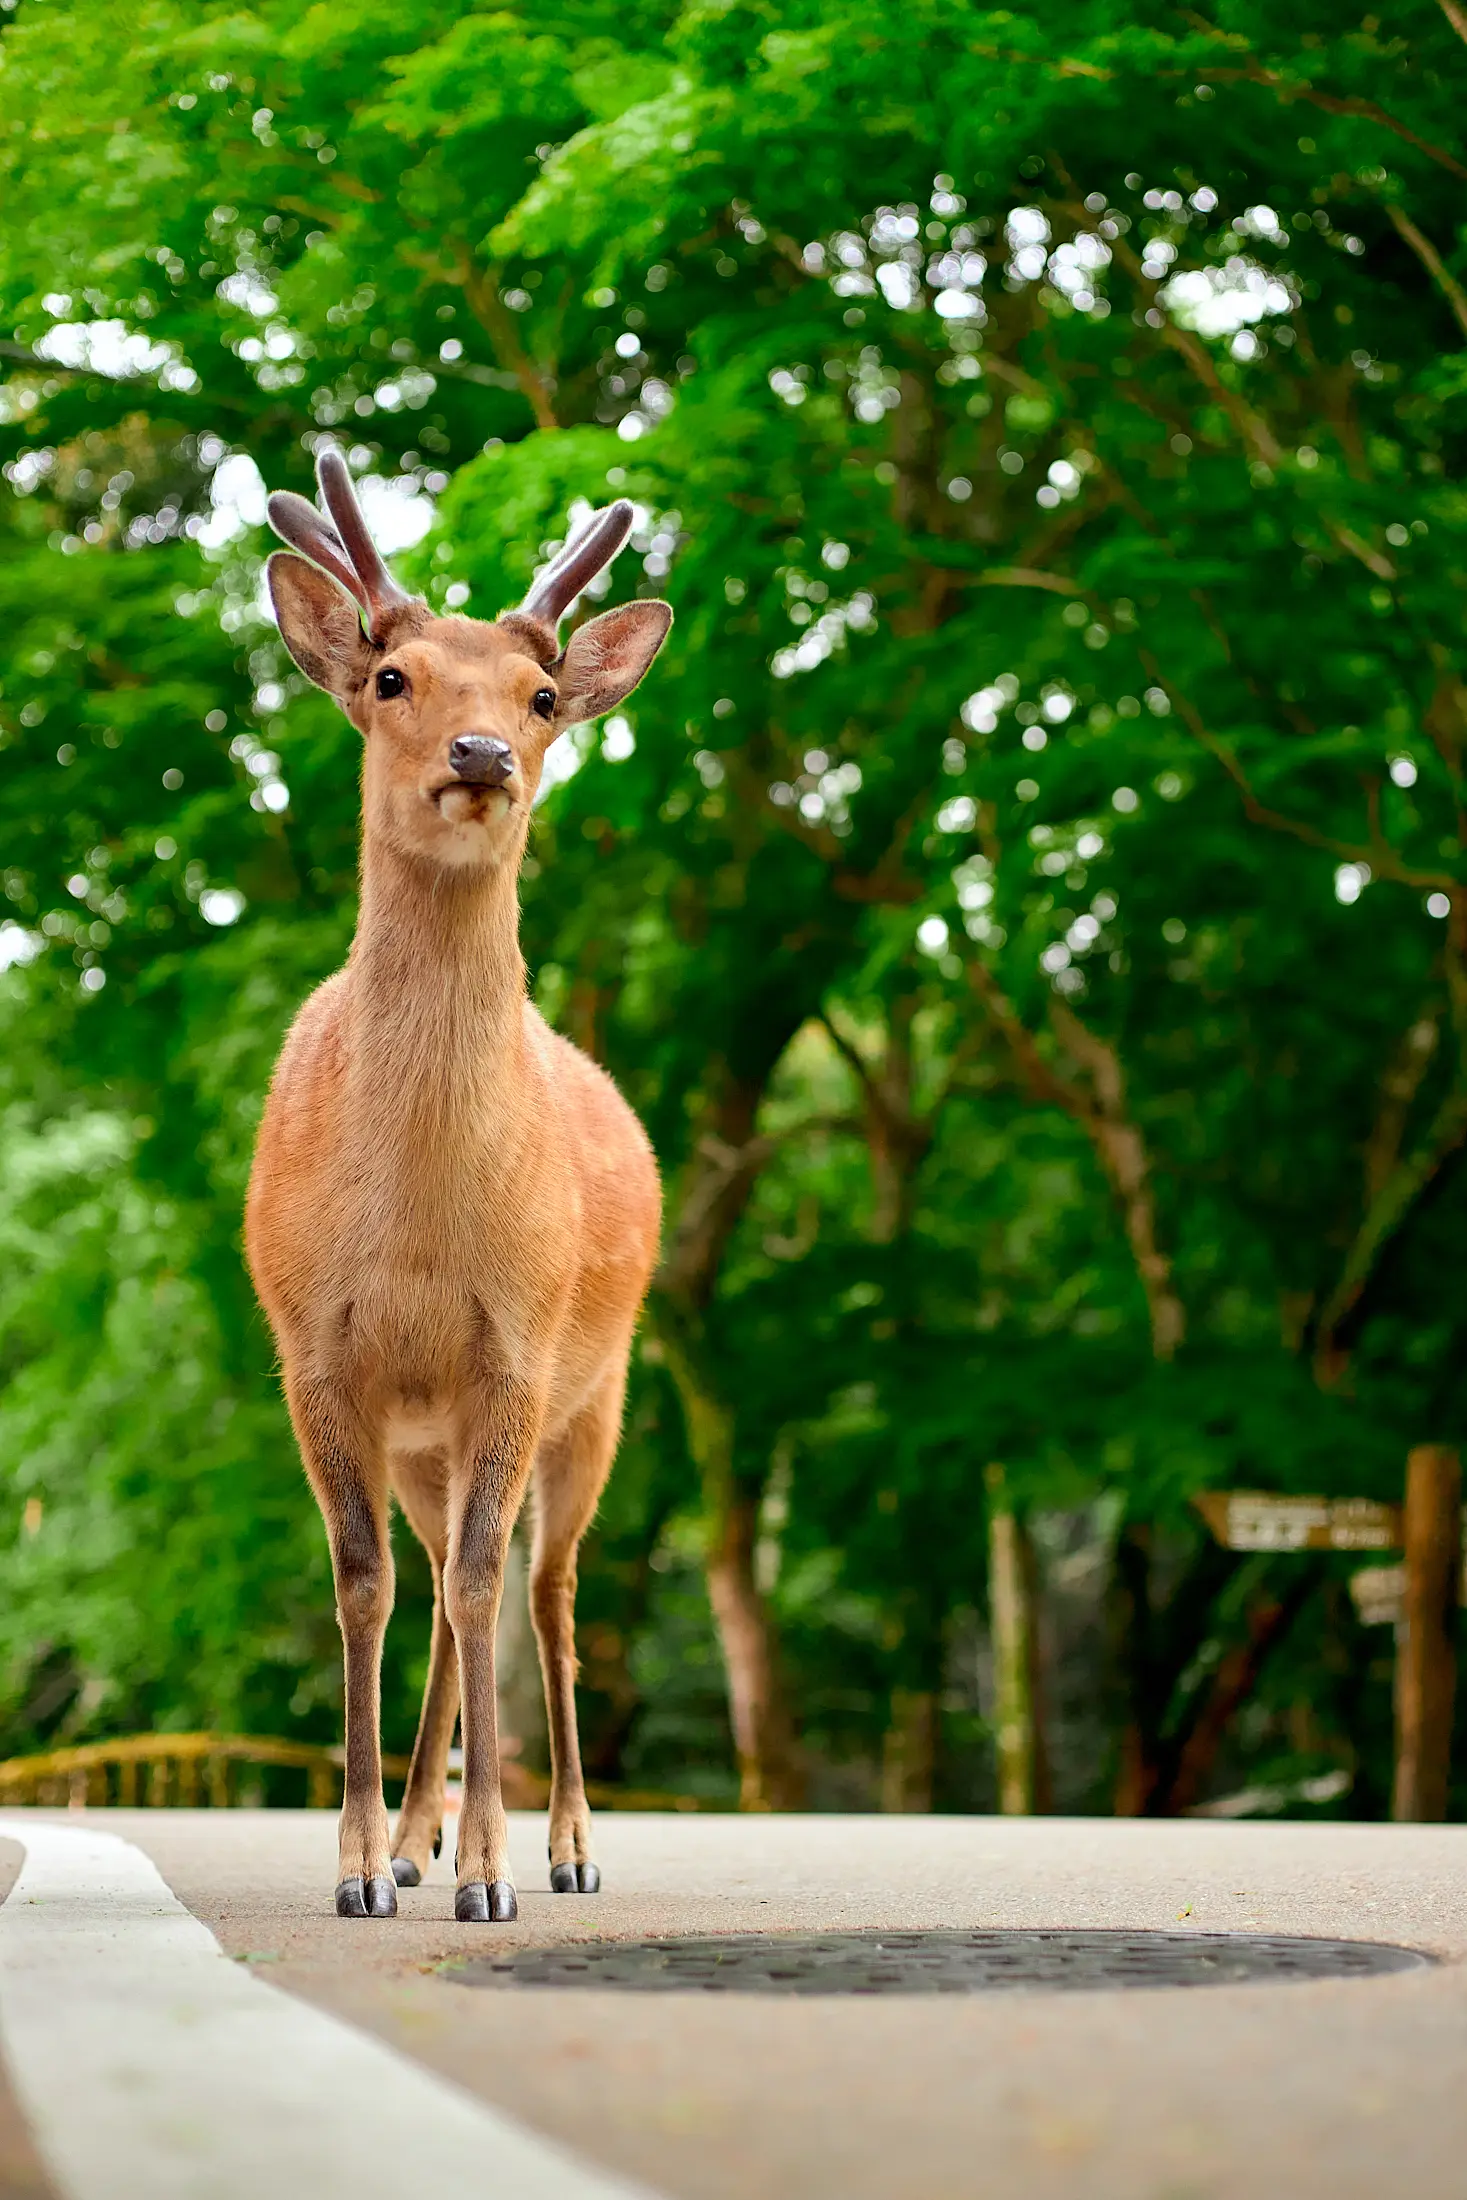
pixel 575 1879
pixel 481 1903
pixel 405 1871
pixel 438 1842
pixel 358 1897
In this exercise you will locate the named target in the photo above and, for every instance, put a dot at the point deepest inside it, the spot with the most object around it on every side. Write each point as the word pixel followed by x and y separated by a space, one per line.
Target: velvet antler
pixel 553 591
pixel 346 551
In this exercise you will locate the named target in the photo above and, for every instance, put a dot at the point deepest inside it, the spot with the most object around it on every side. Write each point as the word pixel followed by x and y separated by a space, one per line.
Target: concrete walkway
pixel 153 2068
pixel 1342 2088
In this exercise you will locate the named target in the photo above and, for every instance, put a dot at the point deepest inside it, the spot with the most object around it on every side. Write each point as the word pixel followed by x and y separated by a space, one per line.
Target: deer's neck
pixel 437 1001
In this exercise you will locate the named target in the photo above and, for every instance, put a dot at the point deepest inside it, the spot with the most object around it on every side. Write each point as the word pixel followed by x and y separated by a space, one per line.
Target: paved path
pixel 151 2068
pixel 1347 2089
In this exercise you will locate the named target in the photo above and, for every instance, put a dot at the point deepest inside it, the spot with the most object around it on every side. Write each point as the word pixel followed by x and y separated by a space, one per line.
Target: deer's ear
pixel 320 625
pixel 605 658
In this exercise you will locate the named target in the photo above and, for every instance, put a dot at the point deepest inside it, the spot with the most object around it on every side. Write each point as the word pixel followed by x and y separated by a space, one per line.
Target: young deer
pixel 453 1213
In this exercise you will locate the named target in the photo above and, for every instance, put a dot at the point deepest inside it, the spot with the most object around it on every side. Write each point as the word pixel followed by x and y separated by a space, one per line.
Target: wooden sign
pixel 1256 1520
pixel 1421 1596
pixel 1378 1594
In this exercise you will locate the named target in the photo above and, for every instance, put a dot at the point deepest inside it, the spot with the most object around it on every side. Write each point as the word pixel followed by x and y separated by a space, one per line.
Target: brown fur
pixel 453 1213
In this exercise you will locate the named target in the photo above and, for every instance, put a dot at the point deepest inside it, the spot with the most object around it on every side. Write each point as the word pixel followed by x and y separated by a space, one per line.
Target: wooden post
pixel 1426 1650
pixel 1011 1623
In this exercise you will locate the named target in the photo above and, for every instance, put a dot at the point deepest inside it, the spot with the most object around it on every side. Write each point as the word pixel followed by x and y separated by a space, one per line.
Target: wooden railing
pixel 222 1771
pixel 187 1770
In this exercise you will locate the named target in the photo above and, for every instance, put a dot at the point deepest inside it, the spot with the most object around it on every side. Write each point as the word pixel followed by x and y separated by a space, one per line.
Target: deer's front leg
pixel 494 1474
pixel 351 1490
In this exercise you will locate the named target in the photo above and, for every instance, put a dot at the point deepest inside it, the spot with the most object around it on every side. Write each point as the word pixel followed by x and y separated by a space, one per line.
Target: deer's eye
pixel 390 682
pixel 543 702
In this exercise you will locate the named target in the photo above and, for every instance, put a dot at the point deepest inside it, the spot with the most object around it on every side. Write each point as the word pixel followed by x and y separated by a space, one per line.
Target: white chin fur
pixel 459 805
pixel 476 817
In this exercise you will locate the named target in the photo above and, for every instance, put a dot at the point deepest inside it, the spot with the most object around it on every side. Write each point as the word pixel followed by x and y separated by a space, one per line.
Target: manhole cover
pixel 937 1963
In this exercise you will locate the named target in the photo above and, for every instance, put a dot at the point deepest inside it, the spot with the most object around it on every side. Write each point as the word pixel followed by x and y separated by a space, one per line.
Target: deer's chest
pixel 430 1307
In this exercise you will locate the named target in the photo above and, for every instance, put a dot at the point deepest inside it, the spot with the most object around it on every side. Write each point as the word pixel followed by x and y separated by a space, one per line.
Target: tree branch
pixel 1378 855
pixel 1254 72
pixel 1119 1146
pixel 1409 1063
pixel 853 1058
pixel 1384 1217
pixel 1253 430
pixel 899 1135
pixel 1023 576
pixel 1456 17
pixel 1122 1152
pixel 1426 252
pixel 480 288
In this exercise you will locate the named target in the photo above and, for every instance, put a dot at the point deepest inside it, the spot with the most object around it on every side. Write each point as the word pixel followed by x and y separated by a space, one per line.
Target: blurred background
pixel 1027 902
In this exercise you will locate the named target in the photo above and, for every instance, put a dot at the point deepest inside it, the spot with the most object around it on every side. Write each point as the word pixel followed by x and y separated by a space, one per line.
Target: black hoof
pixel 575 1879
pixel 481 1904
pixel 358 1897
pixel 438 1842
pixel 405 1871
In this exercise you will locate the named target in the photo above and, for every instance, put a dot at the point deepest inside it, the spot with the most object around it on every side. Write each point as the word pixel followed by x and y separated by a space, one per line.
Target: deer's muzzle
pixel 481 761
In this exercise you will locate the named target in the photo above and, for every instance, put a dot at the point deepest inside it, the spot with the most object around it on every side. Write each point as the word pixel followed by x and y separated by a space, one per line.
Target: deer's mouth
pixel 460 801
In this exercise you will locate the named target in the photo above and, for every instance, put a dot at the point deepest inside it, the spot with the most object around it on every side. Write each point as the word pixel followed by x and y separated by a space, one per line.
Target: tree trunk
pixel 909 1751
pixel 606 1667
pixel 770 1772
pixel 1038 1695
pixel 1231 1686
pixel 1132 1649
pixel 524 1743
pixel 714 1195
pixel 1012 1622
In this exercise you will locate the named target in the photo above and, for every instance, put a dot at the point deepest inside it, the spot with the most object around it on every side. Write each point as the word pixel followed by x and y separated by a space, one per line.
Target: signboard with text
pixel 1256 1520
pixel 1378 1594
pixel 1420 1596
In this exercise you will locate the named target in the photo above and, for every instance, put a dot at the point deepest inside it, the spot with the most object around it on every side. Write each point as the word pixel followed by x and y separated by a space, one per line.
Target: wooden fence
pixel 190 1771
pixel 223 1771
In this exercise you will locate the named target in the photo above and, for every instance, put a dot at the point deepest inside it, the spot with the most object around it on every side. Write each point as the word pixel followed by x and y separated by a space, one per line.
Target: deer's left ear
pixel 604 659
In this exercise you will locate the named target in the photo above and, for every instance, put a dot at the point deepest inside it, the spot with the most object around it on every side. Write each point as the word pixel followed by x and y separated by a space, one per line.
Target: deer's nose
pixel 480 760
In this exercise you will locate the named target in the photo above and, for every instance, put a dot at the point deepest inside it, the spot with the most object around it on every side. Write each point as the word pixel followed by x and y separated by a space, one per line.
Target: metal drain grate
pixel 938 1963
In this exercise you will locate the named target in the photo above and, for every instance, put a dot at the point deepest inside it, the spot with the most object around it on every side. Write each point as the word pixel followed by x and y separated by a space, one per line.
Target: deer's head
pixel 456 713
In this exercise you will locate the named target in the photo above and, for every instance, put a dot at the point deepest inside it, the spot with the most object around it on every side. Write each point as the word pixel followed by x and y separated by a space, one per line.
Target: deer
pixel 453 1214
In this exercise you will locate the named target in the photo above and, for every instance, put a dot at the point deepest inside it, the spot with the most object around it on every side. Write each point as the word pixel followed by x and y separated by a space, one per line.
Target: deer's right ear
pixel 319 624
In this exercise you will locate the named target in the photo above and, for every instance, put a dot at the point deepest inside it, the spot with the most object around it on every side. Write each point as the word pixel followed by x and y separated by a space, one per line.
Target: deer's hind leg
pixel 420 1481
pixel 570 1474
